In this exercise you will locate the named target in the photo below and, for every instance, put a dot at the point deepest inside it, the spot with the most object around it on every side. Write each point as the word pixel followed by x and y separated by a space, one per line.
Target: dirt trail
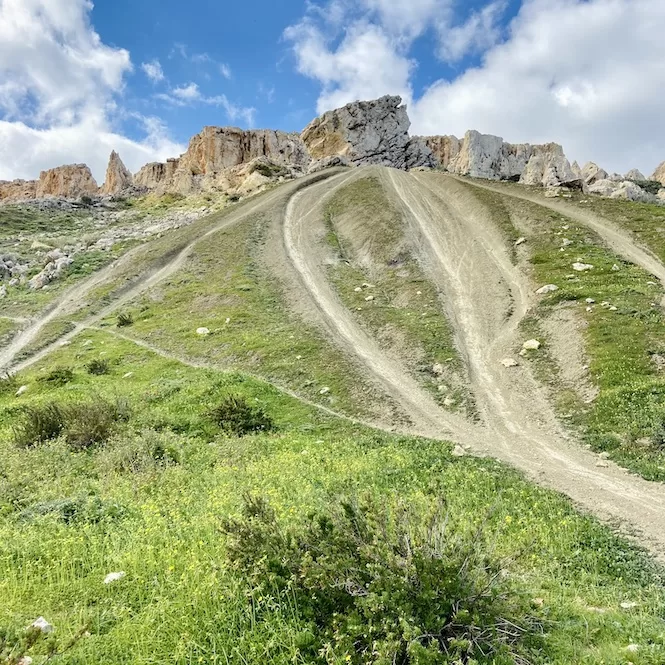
pixel 474 266
pixel 617 239
pixel 301 240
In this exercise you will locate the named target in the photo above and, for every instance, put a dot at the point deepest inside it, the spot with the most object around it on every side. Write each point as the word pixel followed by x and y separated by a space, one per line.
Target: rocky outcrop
pixel 491 158
pixel 68 182
pixel 444 148
pixel 17 190
pixel 592 173
pixel 625 190
pixel 156 175
pixel 659 174
pixel 118 178
pixel 635 174
pixel 375 132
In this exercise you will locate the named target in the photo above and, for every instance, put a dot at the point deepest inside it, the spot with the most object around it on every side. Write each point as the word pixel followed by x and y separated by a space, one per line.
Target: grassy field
pixel 405 312
pixel 152 500
pixel 623 338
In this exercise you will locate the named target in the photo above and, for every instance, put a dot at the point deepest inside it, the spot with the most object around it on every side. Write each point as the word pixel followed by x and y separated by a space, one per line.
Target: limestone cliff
pixel 659 174
pixel 68 182
pixel 118 178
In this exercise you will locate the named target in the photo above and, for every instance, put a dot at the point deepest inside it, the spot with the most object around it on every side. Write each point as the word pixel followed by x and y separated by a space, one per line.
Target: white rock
pixel 582 267
pixel 548 288
pixel 129 375
pixel 42 625
pixel 458 451
pixel 628 605
pixel 358 289
pixel 590 301
pixel 614 309
pixel 509 362
pixel 3 291
pixel 604 187
pixel 369 299
pixel 633 648
pixel 566 243
pixel 26 660
pixel 634 174
pixel 449 401
pixel 203 331
pixel 592 173
pixel 324 391
pixel 520 241
pixel 21 391
pixel 531 345
pixel 114 577
pixel 631 192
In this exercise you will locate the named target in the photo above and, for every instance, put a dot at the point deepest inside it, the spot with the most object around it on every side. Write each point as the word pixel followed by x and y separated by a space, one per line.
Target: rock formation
pixel 444 148
pixel 156 175
pixel 634 174
pixel 374 132
pixel 592 173
pixel 17 190
pixel 549 167
pixel 659 174
pixel 68 182
pixel 118 178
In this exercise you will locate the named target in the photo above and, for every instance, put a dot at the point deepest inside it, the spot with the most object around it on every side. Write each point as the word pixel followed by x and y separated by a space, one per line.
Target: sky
pixel 141 77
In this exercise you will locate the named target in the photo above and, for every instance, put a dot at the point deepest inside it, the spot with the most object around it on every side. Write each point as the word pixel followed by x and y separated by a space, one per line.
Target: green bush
pixel 139 452
pixel 380 585
pixel 235 415
pixel 98 367
pixel 58 376
pixel 83 425
pixel 650 186
pixel 8 384
pixel 124 320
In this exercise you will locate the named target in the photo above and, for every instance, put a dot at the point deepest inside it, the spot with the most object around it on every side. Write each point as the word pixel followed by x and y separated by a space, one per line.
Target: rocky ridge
pixel 237 162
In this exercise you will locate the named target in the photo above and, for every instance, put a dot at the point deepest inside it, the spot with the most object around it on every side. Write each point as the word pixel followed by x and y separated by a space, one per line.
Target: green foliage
pixel 76 510
pixel 235 415
pixel 650 186
pixel 8 383
pixel 58 376
pixel 83 424
pixel 98 367
pixel 268 170
pixel 138 452
pixel 124 319
pixel 383 586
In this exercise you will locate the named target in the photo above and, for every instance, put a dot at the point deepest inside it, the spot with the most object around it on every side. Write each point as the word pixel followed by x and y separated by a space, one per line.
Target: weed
pixel 58 376
pixel 39 424
pixel 448 600
pixel 124 319
pixel 98 367
pixel 235 415
pixel 8 383
pixel 139 452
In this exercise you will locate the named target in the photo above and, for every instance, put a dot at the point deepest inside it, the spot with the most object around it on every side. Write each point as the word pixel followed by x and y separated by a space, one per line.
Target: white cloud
pixel 225 70
pixel 153 70
pixel 587 73
pixel 58 89
pixel 190 95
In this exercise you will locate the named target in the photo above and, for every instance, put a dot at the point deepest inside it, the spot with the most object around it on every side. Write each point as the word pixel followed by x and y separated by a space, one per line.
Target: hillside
pixel 379 412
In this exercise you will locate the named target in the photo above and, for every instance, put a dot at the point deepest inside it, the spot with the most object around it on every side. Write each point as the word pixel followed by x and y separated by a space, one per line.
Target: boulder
pixel 603 187
pixel 549 167
pixel 372 132
pixel 634 174
pixel 68 182
pixel 327 163
pixel 118 178
pixel 629 191
pixel 577 171
pixel 661 195
pixel 592 173
pixel 615 177
pixel 659 174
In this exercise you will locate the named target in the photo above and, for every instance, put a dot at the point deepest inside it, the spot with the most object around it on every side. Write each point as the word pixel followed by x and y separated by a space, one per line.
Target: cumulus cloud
pixel 587 73
pixel 58 89
pixel 153 70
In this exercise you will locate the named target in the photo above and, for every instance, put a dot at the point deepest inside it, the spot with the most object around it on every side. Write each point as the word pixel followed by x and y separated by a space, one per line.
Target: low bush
pixel 235 415
pixel 76 510
pixel 124 320
pixel 58 376
pixel 8 384
pixel 650 186
pixel 143 451
pixel 375 584
pixel 98 367
pixel 83 425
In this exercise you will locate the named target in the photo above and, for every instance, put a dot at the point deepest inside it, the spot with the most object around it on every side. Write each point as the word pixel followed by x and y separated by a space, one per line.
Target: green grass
pixel 150 503
pixel 625 418
pixel 365 232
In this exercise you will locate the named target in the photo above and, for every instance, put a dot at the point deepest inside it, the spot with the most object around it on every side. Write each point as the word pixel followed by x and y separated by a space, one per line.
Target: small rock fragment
pixel 628 605
pixel 114 577
pixel 358 289
pixel 590 301
pixel 324 391
pixel 42 625
pixel 582 267
pixel 614 309
pixel 509 362
pixel 129 375
pixel 458 451
pixel 548 288
pixel 520 241
pixel 633 648
pixel 369 299
pixel 202 331
pixel 531 345
pixel 615 268
pixel 21 391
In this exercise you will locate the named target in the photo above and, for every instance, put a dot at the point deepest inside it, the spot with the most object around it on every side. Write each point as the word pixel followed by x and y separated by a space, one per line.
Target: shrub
pixel 136 453
pixel 76 510
pixel 124 320
pixel 39 424
pixel 98 367
pixel 59 376
pixel 650 186
pixel 92 423
pixel 83 425
pixel 376 585
pixel 235 415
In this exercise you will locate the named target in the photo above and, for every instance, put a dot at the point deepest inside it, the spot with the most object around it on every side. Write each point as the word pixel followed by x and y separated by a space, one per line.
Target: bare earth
pixel 486 297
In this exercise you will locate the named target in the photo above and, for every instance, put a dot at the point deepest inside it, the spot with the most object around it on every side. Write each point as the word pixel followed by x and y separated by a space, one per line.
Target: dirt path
pixel 303 215
pixel 478 278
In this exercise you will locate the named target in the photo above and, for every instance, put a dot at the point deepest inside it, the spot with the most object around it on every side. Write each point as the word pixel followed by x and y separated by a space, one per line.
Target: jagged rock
pixel 659 174
pixel 615 177
pixel 70 182
pixel 631 192
pixel 17 190
pixel 577 170
pixel 156 175
pixel 549 167
pixel 118 178
pixel 57 263
pixel 603 187
pixel 592 173
pixel 634 174
pixel 444 148
pixel 374 132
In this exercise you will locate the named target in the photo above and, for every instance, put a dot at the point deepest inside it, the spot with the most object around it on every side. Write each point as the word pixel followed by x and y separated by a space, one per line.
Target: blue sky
pixel 79 79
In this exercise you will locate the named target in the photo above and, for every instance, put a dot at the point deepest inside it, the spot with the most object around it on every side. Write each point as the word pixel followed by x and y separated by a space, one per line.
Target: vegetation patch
pixel 235 415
